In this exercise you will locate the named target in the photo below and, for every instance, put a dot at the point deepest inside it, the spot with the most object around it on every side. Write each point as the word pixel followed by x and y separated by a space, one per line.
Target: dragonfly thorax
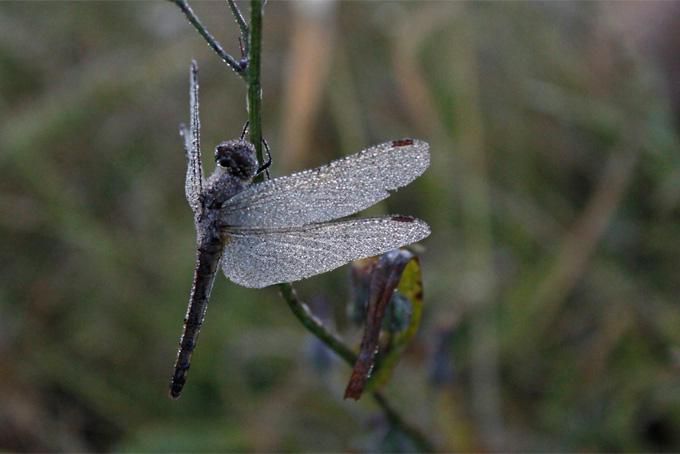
pixel 235 169
pixel 237 157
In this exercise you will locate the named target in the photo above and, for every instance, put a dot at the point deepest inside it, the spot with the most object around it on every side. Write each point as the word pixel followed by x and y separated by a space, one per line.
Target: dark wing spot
pixel 400 218
pixel 402 142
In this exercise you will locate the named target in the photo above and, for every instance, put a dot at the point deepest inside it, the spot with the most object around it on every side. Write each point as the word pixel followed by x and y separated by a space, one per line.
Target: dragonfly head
pixel 237 157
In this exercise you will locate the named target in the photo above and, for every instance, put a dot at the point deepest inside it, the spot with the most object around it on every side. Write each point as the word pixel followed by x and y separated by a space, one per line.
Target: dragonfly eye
pixel 237 157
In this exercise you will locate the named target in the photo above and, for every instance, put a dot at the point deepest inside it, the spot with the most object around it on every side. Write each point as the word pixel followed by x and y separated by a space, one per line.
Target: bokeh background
pixel 552 319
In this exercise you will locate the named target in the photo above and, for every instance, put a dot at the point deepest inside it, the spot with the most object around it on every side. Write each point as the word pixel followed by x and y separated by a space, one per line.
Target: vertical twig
pixel 254 87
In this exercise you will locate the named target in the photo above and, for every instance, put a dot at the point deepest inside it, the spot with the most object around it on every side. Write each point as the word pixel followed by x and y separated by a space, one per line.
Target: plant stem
pixel 254 87
pixel 210 39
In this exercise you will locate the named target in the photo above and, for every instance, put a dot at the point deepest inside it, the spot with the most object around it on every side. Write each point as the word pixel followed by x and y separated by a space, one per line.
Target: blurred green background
pixel 552 319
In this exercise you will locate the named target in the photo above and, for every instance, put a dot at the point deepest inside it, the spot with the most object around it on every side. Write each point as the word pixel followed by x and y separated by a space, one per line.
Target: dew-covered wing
pixel 261 257
pixel 335 190
pixel 192 146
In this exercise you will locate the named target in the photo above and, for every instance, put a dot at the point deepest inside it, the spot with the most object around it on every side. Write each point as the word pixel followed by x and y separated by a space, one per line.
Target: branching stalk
pixel 210 39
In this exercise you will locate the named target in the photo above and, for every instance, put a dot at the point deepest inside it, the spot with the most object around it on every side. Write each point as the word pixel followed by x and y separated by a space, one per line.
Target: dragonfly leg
pixel 265 167
pixel 245 129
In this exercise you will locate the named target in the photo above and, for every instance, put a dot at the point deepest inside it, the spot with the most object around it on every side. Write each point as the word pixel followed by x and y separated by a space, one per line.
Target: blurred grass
pixel 568 115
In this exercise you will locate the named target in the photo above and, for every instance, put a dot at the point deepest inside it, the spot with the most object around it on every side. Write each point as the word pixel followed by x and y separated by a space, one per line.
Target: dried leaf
pixel 395 269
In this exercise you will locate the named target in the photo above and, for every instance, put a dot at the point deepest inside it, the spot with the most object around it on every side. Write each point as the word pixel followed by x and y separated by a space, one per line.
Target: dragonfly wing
pixel 335 190
pixel 258 258
pixel 192 146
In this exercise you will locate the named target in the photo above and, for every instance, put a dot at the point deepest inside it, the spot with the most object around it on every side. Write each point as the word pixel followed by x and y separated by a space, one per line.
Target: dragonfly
pixel 288 228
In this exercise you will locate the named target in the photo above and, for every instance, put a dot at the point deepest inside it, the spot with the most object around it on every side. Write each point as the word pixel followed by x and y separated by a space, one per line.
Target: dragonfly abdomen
pixel 207 263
